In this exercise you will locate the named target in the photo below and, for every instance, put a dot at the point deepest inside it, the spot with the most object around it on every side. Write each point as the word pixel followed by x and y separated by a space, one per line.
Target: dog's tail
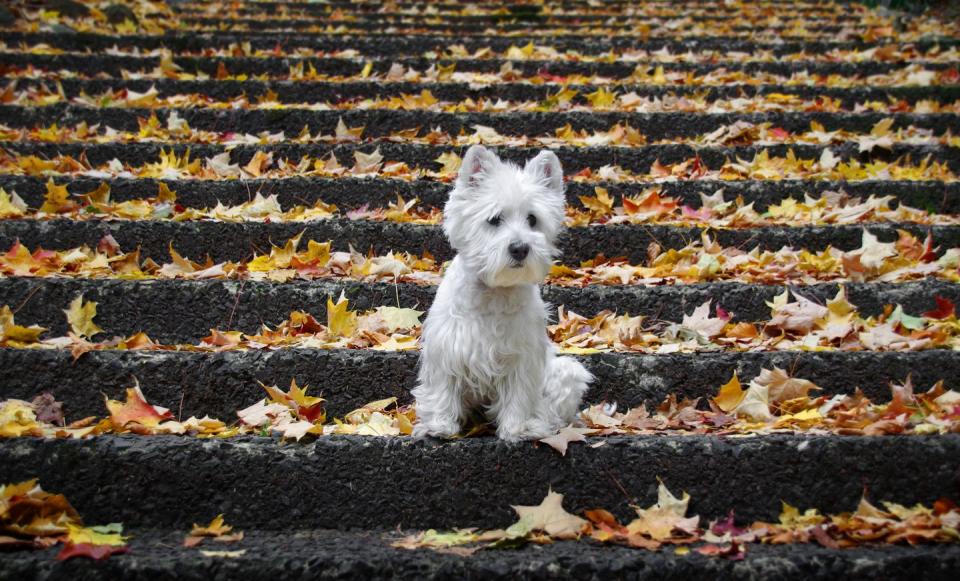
pixel 566 382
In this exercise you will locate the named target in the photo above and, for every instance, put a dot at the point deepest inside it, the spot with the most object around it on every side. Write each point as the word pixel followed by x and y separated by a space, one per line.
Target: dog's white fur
pixel 484 342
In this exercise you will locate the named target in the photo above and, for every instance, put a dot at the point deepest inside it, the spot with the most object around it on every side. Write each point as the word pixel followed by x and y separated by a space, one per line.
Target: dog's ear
pixel 478 162
pixel 545 168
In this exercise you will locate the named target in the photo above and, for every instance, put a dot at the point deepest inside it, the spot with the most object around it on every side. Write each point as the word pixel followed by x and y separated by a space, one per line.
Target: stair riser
pixel 173 311
pixel 654 126
pixel 236 241
pixel 114 65
pixel 348 482
pixel 416 44
pixel 352 193
pixel 219 384
pixel 574 159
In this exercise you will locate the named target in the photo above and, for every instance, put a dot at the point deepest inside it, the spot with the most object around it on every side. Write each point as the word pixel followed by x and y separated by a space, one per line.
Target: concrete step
pixel 349 193
pixel 185 310
pixel 392 45
pixel 306 91
pixel 292 120
pixel 218 384
pixel 636 159
pixel 114 65
pixel 270 555
pixel 345 482
pixel 239 240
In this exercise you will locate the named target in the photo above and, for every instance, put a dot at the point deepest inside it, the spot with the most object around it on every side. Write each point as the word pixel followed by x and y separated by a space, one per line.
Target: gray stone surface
pixel 323 554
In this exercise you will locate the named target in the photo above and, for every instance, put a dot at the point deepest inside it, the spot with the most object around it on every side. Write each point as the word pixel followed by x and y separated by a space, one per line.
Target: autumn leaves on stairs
pixel 219 224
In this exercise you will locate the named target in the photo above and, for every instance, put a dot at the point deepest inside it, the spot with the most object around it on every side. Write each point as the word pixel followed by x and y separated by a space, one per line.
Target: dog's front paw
pixel 444 430
pixel 537 429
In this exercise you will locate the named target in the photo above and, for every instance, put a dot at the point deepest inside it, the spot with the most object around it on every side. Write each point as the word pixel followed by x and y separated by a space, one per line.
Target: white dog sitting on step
pixel 484 343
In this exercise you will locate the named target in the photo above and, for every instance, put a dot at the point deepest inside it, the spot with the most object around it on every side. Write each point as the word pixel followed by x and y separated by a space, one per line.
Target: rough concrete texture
pixel 310 91
pixel 365 482
pixel 186 311
pixel 218 384
pixel 157 555
pixel 116 64
pixel 291 121
pixel 391 45
pixel 574 159
pixel 236 240
pixel 351 193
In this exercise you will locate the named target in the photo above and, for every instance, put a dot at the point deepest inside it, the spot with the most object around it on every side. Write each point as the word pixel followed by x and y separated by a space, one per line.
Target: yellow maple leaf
pixel 731 394
pixel 11 206
pixel 17 418
pixel 319 251
pixel 216 528
pixel 80 316
pixel 601 98
pixel 450 162
pixel 56 198
pixel 341 321
pixel 166 194
pixel 601 203
pixel 111 534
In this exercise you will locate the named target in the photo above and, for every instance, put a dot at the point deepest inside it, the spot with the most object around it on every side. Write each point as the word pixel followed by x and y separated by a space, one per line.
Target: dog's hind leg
pixel 565 383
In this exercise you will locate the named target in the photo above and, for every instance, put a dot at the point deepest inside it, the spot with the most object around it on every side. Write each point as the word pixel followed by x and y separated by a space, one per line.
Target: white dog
pixel 484 343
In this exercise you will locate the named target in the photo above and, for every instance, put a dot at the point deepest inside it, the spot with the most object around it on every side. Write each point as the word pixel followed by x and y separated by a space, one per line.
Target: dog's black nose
pixel 518 250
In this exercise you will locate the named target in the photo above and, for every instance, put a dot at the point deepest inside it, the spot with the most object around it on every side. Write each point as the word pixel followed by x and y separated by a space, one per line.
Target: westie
pixel 484 343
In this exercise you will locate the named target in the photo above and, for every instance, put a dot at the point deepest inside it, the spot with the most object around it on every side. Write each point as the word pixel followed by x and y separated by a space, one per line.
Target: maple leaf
pixel 80 316
pixel 600 203
pixel 601 98
pixel 135 410
pixel 217 530
pixel 306 407
pixel 755 403
pixel 224 554
pixel 872 252
pixel 340 319
pixel 449 162
pixel 260 161
pixel 10 331
pixel 660 521
pixel 879 136
pixel 26 509
pixel 799 316
pixel 367 162
pixel 945 309
pixel 565 436
pixel 56 199
pixel 345 134
pixel 730 395
pixel 781 386
pixel 18 418
pixel 549 517
pixel 437 540
pixel 47 408
pixel 111 535
pixel 90 551
pixel 399 318
pixel 701 322
pixel 11 206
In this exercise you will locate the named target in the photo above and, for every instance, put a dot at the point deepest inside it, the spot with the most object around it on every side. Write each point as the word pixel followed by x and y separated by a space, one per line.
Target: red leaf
pixel 944 310
pixel 95 552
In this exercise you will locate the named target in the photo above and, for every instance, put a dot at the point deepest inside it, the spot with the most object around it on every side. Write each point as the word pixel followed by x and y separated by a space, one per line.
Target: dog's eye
pixel 532 220
pixel 495 221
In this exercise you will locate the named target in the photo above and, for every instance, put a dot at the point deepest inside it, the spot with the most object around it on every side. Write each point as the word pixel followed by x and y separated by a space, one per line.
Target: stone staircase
pixel 327 506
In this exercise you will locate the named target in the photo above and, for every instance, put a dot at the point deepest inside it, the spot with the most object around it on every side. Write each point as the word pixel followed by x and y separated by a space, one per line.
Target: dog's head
pixel 503 220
